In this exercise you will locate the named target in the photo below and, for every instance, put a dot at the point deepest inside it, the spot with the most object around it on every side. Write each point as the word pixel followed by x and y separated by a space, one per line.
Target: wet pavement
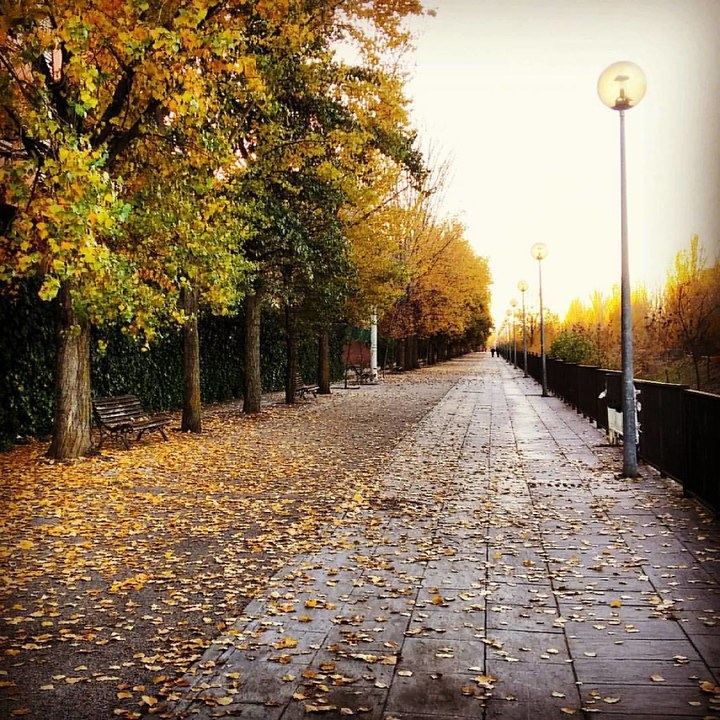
pixel 498 568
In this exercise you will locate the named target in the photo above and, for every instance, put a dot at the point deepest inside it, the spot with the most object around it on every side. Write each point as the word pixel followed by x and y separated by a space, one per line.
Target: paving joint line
pixel 571 663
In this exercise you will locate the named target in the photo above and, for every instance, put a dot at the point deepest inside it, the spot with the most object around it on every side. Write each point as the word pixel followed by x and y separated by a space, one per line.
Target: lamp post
pixel 508 334
pixel 522 287
pixel 539 251
pixel 621 86
pixel 374 345
pixel 513 305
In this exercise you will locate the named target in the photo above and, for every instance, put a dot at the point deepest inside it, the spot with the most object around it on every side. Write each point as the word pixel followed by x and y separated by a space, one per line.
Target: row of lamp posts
pixel 621 86
pixel 539 252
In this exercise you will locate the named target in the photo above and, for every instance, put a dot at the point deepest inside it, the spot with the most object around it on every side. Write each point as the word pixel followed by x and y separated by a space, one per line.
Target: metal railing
pixel 679 428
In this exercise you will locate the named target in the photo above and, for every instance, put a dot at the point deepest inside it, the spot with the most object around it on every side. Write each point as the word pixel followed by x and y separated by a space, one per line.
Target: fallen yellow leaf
pixel 320 708
pixel 485 681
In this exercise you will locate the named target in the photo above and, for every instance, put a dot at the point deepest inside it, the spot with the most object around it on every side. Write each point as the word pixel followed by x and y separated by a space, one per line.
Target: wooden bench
pixel 302 389
pixel 363 375
pixel 123 415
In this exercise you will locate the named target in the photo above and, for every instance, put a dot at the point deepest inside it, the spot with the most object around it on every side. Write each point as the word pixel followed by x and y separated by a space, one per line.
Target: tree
pixel 446 291
pixel 684 319
pixel 689 315
pixel 572 346
pixel 306 147
pixel 82 85
pixel 373 226
pixel 188 239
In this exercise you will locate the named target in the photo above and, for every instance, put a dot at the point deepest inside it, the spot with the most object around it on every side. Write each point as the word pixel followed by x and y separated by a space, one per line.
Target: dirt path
pixel 120 570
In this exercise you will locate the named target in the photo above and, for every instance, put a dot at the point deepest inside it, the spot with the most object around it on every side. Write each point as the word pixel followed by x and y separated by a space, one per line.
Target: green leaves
pixel 572 347
pixel 192 146
pixel 49 289
pixel 60 234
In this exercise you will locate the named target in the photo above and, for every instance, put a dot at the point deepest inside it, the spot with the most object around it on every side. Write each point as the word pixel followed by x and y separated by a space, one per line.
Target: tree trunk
pixel 71 420
pixel 413 348
pixel 696 367
pixel 290 355
pixel 324 363
pixel 192 405
pixel 252 389
pixel 400 353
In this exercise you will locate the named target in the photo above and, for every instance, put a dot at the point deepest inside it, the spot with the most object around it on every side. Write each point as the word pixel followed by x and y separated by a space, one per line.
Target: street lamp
pixel 513 304
pixel 621 86
pixel 539 251
pixel 507 335
pixel 522 287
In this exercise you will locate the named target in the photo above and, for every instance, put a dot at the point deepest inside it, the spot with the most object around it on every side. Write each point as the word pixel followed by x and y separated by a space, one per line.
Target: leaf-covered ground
pixel 499 569
pixel 120 569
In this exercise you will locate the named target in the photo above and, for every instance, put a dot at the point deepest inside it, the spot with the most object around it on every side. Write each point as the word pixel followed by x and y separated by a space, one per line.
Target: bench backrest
pixel 118 409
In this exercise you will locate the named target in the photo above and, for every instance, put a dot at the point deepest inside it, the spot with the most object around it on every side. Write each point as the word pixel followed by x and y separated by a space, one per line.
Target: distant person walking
pixel 492 352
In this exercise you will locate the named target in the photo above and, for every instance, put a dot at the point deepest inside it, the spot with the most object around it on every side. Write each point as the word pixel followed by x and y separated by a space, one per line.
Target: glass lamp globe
pixel 539 251
pixel 622 85
pixel 522 286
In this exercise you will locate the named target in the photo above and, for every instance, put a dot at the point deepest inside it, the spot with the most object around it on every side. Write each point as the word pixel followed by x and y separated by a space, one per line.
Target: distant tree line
pixel 676 330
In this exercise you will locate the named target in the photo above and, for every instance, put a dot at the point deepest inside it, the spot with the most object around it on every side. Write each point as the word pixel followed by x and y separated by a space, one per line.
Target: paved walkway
pixel 500 571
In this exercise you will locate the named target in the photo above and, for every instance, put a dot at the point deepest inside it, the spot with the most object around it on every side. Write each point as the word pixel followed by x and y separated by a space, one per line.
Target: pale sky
pixel 507 90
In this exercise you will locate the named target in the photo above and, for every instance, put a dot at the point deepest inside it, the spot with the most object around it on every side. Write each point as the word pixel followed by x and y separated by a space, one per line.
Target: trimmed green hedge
pixel 27 366
pixel 27 363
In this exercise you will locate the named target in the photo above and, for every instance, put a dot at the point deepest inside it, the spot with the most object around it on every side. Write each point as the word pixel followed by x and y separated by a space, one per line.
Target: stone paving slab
pixel 502 571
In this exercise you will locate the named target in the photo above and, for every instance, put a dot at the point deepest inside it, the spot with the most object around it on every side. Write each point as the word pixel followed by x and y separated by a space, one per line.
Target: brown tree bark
pixel 324 363
pixel 290 355
pixel 413 348
pixel 71 419
pixel 400 352
pixel 696 368
pixel 252 390
pixel 192 403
